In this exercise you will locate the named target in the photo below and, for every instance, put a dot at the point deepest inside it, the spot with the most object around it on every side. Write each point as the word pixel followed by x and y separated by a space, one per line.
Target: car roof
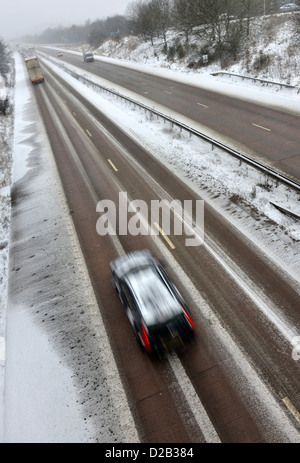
pixel 132 260
pixel 156 302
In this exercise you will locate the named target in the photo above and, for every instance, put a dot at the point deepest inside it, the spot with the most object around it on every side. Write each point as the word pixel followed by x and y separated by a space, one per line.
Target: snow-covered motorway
pixel 239 381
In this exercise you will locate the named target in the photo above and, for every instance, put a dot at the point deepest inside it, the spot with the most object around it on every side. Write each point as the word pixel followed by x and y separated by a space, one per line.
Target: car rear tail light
pixel 190 320
pixel 145 339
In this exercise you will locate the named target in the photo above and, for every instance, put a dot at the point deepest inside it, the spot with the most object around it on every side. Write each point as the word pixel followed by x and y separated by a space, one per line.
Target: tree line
pixel 4 71
pixel 223 24
pixel 153 18
pixel 92 32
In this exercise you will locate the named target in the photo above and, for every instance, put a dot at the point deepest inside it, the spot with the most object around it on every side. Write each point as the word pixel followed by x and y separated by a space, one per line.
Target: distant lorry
pixel 88 56
pixel 34 70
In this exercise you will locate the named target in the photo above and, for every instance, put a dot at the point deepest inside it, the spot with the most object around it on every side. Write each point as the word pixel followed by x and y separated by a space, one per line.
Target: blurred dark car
pixel 156 310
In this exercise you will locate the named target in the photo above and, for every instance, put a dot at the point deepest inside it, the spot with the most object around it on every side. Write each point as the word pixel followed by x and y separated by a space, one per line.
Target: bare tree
pixel 184 16
pixel 246 9
pixel 220 26
pixel 142 19
pixel 209 13
pixel 161 10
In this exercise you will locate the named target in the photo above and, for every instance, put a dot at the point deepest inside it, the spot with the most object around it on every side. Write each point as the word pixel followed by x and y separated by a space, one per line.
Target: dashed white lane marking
pixel 291 408
pixel 203 105
pixel 112 165
pixel 261 127
pixel 164 235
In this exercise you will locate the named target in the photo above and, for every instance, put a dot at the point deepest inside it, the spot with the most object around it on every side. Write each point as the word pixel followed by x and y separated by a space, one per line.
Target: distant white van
pixel 88 56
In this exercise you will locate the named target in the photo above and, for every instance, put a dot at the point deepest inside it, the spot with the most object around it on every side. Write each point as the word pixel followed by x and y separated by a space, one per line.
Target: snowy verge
pixel 61 383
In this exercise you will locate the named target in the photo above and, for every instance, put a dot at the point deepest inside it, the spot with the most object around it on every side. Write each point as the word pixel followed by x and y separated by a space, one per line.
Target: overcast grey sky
pixel 20 17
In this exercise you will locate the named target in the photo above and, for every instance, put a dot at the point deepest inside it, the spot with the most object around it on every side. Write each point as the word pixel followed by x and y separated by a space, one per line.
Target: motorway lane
pixel 269 135
pixel 225 404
